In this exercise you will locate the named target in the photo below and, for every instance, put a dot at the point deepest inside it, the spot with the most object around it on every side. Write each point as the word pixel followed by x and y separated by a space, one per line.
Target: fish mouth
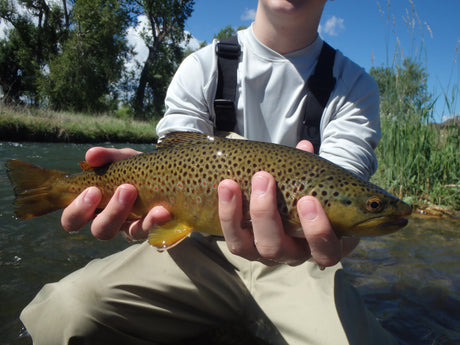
pixel 384 223
pixel 379 226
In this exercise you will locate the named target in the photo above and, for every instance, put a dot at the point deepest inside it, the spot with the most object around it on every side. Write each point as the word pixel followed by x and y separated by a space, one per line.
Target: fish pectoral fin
pixel 85 166
pixel 166 236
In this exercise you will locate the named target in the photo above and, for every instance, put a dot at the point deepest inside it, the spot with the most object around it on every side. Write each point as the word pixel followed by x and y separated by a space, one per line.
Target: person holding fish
pixel 274 284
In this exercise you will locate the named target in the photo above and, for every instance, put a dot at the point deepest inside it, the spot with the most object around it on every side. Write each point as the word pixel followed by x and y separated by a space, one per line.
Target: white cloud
pixel 16 9
pixel 135 40
pixel 4 28
pixel 332 26
pixel 192 43
pixel 248 14
pixel 19 9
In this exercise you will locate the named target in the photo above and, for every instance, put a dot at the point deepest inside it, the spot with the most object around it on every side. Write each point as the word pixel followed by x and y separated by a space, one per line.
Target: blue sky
pixel 369 32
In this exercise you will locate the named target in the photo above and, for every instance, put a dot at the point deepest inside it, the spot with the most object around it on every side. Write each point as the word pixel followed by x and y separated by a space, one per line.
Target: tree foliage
pixel 403 88
pixel 228 32
pixel 166 21
pixel 92 57
pixel 36 31
pixel 72 55
pixel 417 160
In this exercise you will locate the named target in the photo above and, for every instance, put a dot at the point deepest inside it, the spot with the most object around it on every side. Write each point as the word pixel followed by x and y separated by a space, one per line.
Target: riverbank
pixel 438 194
pixel 26 124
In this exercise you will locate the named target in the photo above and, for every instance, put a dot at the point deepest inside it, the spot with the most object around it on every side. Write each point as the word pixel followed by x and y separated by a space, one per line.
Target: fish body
pixel 182 174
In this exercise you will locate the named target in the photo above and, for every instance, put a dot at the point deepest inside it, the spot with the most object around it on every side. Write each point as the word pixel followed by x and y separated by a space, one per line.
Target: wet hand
pixel 267 242
pixel 113 218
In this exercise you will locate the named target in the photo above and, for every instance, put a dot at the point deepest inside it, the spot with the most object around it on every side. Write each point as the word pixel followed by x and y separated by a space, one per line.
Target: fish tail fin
pixel 35 190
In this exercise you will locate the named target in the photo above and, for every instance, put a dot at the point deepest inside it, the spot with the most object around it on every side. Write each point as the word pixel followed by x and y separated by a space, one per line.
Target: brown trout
pixel 183 172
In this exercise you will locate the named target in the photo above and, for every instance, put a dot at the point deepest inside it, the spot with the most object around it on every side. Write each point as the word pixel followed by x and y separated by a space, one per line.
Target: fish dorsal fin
pixel 85 166
pixel 183 138
pixel 229 135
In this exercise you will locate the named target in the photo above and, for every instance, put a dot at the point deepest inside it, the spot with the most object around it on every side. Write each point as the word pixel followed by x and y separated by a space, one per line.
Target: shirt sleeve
pixel 188 101
pixel 350 128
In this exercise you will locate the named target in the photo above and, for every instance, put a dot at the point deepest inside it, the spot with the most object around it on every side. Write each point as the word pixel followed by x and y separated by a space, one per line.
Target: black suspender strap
pixel 228 53
pixel 320 86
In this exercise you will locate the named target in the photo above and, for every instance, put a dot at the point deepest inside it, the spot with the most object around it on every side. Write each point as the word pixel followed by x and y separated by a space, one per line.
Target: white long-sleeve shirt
pixel 271 98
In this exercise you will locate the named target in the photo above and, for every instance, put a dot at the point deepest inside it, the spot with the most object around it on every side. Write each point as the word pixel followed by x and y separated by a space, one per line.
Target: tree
pixel 65 60
pixel 92 58
pixel 402 88
pixel 161 71
pixel 72 58
pixel 166 23
pixel 18 71
pixel 228 32
pixel 35 34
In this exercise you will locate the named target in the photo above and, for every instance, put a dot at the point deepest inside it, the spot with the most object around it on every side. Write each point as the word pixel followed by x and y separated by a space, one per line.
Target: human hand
pixel 113 218
pixel 267 242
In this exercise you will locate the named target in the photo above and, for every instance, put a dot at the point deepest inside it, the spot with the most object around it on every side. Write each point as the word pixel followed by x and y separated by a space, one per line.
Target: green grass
pixel 419 162
pixel 22 124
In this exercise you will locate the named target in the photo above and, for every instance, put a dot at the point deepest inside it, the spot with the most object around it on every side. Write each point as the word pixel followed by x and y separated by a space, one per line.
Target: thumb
pixel 324 244
pixel 305 145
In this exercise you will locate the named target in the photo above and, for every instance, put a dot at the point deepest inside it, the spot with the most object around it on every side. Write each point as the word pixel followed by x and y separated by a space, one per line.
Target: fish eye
pixel 374 204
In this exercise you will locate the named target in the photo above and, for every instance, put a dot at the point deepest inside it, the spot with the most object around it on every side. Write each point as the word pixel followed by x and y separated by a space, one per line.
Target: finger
pixel 139 229
pixel 98 156
pixel 324 244
pixel 81 210
pixel 305 145
pixel 107 223
pixel 348 245
pixel 239 241
pixel 270 238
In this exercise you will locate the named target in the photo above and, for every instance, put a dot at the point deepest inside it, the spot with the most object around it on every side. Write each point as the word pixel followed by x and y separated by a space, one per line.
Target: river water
pixel 410 280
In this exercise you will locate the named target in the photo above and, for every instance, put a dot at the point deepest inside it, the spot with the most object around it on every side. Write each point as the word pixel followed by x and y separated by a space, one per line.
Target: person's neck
pixel 286 36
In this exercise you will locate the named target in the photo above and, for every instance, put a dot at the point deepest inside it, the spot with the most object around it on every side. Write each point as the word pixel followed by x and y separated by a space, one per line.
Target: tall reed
pixel 418 159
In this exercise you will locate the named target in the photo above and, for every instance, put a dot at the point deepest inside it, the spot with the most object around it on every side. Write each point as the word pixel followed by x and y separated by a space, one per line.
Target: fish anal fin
pixel 166 236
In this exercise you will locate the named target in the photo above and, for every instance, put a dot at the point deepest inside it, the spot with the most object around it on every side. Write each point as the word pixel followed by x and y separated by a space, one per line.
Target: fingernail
pixel 125 196
pixel 259 185
pixel 225 195
pixel 91 196
pixel 308 209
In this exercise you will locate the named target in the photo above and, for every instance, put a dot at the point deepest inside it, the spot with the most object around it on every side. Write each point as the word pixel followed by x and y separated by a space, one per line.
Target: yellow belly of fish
pixel 198 213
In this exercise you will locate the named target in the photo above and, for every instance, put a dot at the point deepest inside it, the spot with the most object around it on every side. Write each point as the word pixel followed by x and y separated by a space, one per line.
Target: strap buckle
pixel 228 50
pixel 225 109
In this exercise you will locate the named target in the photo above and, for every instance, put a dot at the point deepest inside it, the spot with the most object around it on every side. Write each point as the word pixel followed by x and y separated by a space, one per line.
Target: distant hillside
pixel 453 121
